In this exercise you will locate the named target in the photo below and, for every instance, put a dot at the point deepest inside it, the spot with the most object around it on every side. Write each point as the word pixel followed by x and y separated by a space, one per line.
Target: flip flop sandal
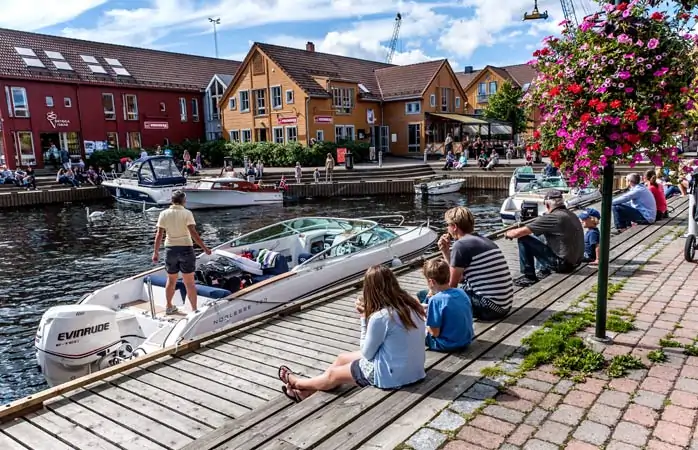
pixel 293 395
pixel 284 372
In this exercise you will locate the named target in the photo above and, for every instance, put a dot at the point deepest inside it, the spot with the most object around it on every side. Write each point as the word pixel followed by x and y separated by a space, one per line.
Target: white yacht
pixel 226 192
pixel 148 181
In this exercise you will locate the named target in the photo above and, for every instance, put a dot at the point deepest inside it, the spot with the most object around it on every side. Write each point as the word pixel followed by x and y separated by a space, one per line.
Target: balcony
pixel 483 98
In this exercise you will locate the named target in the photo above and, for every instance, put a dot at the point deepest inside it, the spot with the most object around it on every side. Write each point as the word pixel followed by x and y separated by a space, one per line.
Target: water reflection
pixel 53 255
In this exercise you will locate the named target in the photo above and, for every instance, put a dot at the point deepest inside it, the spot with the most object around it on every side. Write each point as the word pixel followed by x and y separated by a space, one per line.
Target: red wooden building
pixel 87 96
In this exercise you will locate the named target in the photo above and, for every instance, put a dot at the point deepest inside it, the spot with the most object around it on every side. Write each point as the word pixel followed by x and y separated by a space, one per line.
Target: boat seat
pixel 303 257
pixel 201 289
pixel 280 266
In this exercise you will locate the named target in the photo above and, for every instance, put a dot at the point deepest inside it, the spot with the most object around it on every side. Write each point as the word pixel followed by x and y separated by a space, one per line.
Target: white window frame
pixel 128 140
pixel 320 135
pixel 343 100
pixel 275 138
pixel 49 101
pixel 234 135
pixel 67 102
pixel 295 131
pixel 445 99
pixel 195 109
pixel 290 98
pixel 248 132
pixel 273 97
pixel 432 100
pixel 344 134
pixel 260 110
pixel 116 135
pixel 134 115
pixel 245 101
pixel 182 109
pixel 23 109
pixel 418 109
pixel 23 160
pixel 109 115
pixel 232 104
pixel 457 102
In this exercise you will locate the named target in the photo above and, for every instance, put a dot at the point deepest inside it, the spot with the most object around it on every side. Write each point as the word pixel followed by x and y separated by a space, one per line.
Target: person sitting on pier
pixel 449 311
pixel 477 265
pixel 563 249
pixel 658 194
pixel 66 177
pixel 392 351
pixel 637 205
pixel 590 220
pixel 450 161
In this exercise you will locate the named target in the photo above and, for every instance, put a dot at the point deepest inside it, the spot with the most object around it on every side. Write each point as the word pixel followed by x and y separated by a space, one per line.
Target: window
pixel 343 100
pixel 260 134
pixel 289 97
pixel 493 88
pixel 49 102
pixel 320 135
pixel 108 105
pixel 413 108
pixel 133 140
pixel 482 89
pixel 414 137
pixel 89 59
pixel 278 135
pixel 195 109
pixel 112 140
pixel 457 102
pixel 130 107
pixel 276 97
pixel 291 134
pixel 232 104
pixel 432 100
pixel 67 102
pixel 182 109
pixel 215 94
pixel 479 112
pixel 247 135
pixel 343 133
pixel 20 105
pixel 234 135
pixel 25 144
pixel 260 102
pixel 244 101
pixel 446 94
pixel 257 64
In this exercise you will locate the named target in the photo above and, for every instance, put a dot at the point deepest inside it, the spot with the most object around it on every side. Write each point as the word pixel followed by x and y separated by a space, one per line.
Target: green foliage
pixel 617 324
pixel 279 155
pixel 506 105
pixel 492 371
pixel 104 159
pixel 691 350
pixel 578 358
pixel 669 342
pixel 657 356
pixel 621 364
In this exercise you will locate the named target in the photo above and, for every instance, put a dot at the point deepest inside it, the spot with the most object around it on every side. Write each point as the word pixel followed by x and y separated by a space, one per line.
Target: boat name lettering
pixel 83 331
pixel 227 317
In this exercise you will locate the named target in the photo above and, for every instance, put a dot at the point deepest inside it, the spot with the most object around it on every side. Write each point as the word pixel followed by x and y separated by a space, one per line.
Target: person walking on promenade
pixel 298 173
pixel 329 167
pixel 178 225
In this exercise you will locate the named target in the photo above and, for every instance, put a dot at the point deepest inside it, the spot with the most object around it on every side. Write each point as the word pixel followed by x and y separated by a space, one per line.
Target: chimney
pixel 309 47
pixel 468 69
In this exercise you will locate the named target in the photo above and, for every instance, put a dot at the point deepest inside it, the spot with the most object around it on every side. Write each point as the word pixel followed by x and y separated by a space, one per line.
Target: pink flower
pixel 661 72
pixel 653 43
pixel 642 125
pixel 624 75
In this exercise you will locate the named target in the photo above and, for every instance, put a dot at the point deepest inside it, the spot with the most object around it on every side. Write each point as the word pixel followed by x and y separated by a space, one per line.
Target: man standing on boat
pixel 179 227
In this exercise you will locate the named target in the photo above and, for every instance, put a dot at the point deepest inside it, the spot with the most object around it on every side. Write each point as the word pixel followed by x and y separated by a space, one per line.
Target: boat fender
pixel 396 262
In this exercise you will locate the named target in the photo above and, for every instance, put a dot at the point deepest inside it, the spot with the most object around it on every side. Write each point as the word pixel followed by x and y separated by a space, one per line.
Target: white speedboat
pixel 439 187
pixel 226 192
pixel 520 178
pixel 149 180
pixel 529 201
pixel 243 277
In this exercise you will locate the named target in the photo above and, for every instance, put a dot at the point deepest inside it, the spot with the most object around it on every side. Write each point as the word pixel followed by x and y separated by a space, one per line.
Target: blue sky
pixel 467 32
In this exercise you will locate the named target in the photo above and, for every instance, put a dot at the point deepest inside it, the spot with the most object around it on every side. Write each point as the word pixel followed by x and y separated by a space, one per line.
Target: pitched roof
pixel 405 81
pixel 146 68
pixel 519 74
pixel 466 78
pixel 226 79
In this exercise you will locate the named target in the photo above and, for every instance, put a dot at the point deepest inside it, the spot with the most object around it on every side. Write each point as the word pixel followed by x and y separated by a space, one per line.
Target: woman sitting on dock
pixel 392 351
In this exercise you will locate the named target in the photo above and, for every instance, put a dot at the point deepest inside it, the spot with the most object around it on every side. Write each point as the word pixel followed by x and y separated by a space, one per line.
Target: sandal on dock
pixel 291 394
pixel 284 372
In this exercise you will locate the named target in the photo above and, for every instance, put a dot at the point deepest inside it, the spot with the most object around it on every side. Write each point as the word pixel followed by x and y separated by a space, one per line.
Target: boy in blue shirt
pixel 590 220
pixel 449 312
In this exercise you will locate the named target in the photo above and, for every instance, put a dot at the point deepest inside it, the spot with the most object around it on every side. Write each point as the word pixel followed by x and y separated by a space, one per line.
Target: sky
pixel 467 32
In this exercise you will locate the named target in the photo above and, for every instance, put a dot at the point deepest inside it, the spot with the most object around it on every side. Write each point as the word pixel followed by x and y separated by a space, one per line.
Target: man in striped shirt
pixel 478 265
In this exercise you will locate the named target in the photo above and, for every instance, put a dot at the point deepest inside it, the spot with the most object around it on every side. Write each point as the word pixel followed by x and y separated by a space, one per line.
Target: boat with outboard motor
pixel 226 192
pixel 520 178
pixel 243 277
pixel 439 187
pixel 150 180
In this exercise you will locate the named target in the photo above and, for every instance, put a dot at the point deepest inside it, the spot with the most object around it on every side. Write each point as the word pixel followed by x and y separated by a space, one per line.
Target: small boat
pixel 226 192
pixel 439 187
pixel 150 180
pixel 520 178
pixel 246 276
pixel 529 201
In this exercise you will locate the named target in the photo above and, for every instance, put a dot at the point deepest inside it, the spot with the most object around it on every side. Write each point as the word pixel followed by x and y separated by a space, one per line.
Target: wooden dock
pixel 222 391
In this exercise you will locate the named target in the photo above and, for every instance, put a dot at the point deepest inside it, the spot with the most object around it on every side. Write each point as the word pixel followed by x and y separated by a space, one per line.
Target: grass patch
pixel 492 371
pixel 618 324
pixel 669 342
pixel 621 364
pixel 691 350
pixel 657 356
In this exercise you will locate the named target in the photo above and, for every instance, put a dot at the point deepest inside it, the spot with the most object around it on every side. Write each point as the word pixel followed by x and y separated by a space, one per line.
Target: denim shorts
pixel 180 259
pixel 358 375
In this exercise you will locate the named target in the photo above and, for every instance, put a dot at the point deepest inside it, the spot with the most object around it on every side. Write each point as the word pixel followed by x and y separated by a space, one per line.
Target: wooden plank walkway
pixel 225 394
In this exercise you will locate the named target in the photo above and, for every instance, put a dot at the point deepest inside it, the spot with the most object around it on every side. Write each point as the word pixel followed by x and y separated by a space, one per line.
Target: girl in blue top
pixel 392 343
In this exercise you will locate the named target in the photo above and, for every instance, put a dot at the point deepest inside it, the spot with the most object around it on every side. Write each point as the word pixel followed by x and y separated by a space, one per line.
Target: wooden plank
pixel 7 443
pixel 305 341
pixel 305 329
pixel 269 383
pixel 32 436
pixel 323 326
pixel 332 319
pixel 318 355
pixel 327 340
pixel 274 357
pixel 68 431
pixel 226 355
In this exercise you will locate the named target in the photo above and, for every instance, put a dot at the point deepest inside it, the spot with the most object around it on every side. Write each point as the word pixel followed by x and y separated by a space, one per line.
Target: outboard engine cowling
pixel 73 339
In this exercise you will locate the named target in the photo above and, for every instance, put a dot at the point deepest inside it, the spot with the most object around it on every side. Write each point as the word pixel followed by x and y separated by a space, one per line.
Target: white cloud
pixel 32 15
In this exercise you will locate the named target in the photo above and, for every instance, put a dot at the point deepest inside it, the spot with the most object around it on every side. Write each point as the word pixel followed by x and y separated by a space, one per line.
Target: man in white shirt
pixel 179 227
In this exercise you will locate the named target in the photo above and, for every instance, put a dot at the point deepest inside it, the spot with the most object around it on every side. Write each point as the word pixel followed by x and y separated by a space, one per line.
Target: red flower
pixel 622 7
pixel 536 53
pixel 593 102
pixel 536 134
pixel 658 16
pixel 684 16
pixel 616 104
pixel 601 107
pixel 574 88
pixel 626 148
pixel 630 115
pixel 684 90
pixel 545 51
pixel 585 117
pixel 633 138
pixel 554 91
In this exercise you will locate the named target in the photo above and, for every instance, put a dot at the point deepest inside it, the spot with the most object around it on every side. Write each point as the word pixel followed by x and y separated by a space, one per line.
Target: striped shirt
pixel 485 270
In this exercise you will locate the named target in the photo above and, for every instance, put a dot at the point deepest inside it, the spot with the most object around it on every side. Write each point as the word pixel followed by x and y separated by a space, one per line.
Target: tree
pixel 506 105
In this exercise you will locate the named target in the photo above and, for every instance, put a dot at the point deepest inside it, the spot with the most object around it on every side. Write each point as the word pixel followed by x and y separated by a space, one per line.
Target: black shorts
pixel 180 259
pixel 358 375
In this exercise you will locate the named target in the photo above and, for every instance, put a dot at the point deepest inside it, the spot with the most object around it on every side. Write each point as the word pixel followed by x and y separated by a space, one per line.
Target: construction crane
pixel 568 9
pixel 393 40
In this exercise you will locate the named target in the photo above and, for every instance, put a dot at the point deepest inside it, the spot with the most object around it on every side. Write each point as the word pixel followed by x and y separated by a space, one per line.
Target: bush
pixel 286 155
pixel 105 158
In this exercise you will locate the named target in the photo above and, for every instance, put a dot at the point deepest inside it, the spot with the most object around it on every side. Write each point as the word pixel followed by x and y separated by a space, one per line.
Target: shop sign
pixel 341 155
pixel 287 120
pixel 323 119
pixel 55 122
pixel 150 125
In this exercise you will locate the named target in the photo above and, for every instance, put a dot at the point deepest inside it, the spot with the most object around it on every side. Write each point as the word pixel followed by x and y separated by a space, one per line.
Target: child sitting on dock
pixel 449 312
pixel 392 343
pixel 590 220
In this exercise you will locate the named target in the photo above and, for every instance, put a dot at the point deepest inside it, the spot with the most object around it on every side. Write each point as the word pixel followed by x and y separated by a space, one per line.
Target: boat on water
pixel 150 180
pixel 226 192
pixel 243 277
pixel 439 187
pixel 520 178
pixel 529 201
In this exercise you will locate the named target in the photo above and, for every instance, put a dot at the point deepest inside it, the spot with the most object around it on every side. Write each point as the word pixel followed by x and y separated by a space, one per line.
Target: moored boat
pixel 439 187
pixel 226 192
pixel 149 180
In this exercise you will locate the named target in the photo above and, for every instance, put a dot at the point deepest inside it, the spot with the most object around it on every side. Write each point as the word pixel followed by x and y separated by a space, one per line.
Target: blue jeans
pixel 671 191
pixel 533 253
pixel 625 215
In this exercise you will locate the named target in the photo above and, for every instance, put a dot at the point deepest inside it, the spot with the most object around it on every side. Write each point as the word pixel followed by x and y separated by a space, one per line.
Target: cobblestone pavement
pixel 651 408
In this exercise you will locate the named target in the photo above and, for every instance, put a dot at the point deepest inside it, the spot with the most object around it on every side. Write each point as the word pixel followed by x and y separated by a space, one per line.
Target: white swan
pixel 93 215
pixel 151 209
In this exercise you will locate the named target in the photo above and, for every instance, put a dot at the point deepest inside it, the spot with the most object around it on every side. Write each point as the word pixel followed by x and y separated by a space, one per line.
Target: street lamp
pixel 535 14
pixel 215 33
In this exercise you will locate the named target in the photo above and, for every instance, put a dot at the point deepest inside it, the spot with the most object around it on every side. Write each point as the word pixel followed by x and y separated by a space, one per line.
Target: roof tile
pixel 410 80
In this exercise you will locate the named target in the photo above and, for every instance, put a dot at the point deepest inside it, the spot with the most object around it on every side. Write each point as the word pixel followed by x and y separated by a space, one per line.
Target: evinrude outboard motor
pixel 75 340
pixel 529 210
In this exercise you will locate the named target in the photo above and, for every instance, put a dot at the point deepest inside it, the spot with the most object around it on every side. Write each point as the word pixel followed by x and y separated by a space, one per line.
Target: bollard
pixel 380 159
pixel 425 156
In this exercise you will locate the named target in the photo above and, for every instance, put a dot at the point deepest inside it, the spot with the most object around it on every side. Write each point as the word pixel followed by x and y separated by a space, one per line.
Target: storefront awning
pixel 476 125
pixel 467 120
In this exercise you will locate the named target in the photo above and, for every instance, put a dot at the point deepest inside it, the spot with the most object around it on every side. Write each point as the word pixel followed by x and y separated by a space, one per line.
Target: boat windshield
pixel 356 240
pixel 545 183
pixel 302 225
pixel 165 168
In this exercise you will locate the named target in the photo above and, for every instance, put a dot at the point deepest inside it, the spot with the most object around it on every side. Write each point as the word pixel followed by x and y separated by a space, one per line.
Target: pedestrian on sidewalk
pixel 316 175
pixel 298 173
pixel 329 167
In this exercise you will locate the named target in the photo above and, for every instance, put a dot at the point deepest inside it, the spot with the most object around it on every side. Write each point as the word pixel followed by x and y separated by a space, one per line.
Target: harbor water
pixel 54 255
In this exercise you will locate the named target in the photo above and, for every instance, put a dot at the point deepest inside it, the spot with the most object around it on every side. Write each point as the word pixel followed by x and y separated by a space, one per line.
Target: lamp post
pixel 215 32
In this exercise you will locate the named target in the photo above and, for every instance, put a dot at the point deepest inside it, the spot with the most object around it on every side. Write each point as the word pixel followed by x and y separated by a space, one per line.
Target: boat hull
pixel 439 187
pixel 207 199
pixel 511 207
pixel 135 194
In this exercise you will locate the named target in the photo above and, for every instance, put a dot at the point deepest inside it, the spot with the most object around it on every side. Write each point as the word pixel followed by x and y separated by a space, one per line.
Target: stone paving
pixel 651 408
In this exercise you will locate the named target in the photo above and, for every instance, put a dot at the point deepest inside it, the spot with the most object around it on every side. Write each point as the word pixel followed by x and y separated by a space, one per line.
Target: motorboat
pixel 520 178
pixel 439 187
pixel 529 201
pixel 248 275
pixel 226 192
pixel 150 180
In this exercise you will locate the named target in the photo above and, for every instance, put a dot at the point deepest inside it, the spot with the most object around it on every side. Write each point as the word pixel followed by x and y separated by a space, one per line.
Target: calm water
pixel 53 255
